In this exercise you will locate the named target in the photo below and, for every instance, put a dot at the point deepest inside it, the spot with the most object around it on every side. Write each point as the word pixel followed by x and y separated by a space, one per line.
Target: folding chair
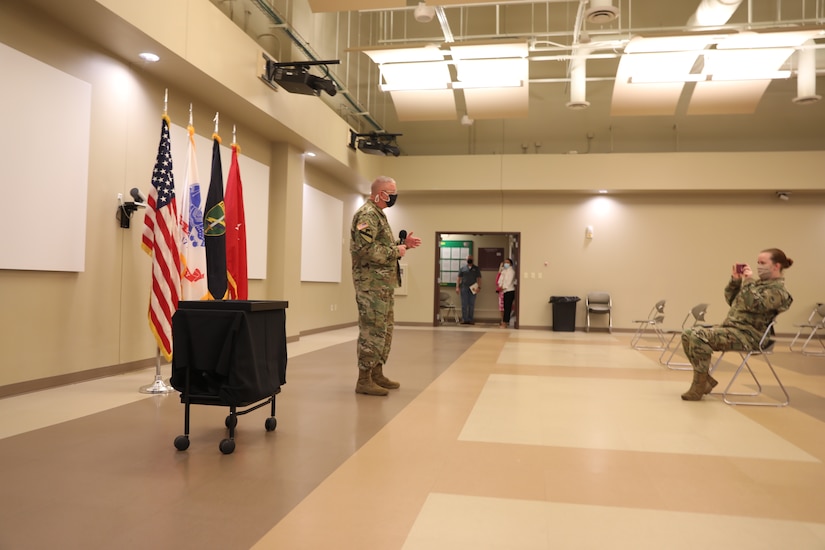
pixel 698 313
pixel 653 323
pixel 764 349
pixel 816 322
pixel 599 303
pixel 446 308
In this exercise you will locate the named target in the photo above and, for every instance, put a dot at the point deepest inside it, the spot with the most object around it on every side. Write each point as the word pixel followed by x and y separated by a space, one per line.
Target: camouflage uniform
pixel 753 305
pixel 375 276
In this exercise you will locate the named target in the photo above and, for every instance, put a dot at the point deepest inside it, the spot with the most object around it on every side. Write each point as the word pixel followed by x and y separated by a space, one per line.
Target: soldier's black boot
pixel 366 385
pixel 698 388
pixel 379 378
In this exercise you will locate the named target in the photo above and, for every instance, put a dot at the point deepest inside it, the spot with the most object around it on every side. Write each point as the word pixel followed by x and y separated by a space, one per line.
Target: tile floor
pixel 497 439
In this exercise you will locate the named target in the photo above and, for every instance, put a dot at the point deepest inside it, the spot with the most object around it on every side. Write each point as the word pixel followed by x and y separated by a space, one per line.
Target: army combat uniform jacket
pixel 373 249
pixel 754 303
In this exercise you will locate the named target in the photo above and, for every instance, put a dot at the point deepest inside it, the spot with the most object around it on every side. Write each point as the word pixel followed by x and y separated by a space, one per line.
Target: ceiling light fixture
pixel 375 143
pixel 783 195
pixel 149 57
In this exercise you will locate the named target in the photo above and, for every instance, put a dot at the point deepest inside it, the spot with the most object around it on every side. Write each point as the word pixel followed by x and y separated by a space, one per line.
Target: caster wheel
pixel 231 421
pixel 270 424
pixel 182 442
pixel 227 446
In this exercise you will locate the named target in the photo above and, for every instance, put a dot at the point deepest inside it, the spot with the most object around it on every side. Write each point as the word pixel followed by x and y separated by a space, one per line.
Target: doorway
pixel 489 248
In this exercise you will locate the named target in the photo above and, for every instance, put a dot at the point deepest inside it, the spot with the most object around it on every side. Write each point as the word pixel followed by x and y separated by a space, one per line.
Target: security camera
pixel 783 195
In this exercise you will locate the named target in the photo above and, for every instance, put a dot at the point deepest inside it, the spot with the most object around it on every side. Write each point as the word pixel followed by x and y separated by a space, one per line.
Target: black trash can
pixel 564 313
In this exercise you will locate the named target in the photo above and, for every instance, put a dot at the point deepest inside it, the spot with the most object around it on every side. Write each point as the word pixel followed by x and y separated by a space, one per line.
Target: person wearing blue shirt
pixel 468 275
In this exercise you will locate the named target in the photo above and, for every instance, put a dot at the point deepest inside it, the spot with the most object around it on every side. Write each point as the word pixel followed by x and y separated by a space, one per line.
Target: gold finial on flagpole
pixel 233 135
pixel 165 101
pixel 190 114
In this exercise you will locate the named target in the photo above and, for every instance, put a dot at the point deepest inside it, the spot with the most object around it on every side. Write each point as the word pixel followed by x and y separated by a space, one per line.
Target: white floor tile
pixel 631 415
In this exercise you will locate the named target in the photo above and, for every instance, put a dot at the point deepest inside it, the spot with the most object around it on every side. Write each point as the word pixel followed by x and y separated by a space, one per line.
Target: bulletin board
pixel 489 259
pixel 452 255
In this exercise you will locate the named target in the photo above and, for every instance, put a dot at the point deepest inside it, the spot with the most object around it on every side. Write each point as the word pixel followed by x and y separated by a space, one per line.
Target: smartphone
pixel 740 268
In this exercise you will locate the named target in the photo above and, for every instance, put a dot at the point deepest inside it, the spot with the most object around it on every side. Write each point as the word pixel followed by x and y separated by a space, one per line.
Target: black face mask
pixel 391 199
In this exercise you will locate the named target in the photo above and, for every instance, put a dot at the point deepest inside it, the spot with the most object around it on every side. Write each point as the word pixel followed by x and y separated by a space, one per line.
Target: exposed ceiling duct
pixel 806 77
pixel 712 13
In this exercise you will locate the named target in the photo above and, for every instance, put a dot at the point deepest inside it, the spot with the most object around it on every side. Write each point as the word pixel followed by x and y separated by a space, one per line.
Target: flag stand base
pixel 158 386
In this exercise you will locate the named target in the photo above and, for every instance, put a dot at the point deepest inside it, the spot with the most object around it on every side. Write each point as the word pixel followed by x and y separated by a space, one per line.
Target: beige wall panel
pixel 438 173
pixel 768 171
pixel 645 248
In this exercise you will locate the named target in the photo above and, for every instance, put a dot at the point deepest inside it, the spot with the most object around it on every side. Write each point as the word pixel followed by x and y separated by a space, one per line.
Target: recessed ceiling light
pixel 603 191
pixel 310 154
pixel 149 57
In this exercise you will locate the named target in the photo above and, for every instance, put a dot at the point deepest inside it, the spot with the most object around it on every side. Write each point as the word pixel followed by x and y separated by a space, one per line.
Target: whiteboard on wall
pixel 321 237
pixel 44 154
pixel 254 180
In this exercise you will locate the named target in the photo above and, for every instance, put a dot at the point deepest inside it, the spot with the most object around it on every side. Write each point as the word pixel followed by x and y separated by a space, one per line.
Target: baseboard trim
pixel 51 382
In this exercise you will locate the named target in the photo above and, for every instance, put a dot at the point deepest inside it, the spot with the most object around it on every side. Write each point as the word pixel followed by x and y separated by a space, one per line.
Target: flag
pixel 214 226
pixel 193 244
pixel 161 242
pixel 235 232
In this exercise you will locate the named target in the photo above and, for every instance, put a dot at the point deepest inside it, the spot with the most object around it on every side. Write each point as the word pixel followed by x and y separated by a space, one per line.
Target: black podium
pixel 229 353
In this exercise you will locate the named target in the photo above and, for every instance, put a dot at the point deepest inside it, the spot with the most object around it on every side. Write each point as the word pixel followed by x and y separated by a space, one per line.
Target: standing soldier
pixel 375 254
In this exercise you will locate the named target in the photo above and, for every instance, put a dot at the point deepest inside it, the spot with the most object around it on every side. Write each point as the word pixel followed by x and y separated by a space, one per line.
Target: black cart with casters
pixel 229 353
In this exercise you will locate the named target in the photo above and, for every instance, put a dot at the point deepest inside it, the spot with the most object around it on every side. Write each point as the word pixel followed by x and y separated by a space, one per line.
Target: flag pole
pixel 158 386
pixel 150 245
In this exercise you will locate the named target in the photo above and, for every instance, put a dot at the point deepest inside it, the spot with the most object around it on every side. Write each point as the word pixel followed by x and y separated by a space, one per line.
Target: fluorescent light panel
pixel 416 76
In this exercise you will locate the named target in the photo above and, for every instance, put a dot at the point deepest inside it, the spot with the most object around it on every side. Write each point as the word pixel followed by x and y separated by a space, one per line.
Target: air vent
pixel 600 15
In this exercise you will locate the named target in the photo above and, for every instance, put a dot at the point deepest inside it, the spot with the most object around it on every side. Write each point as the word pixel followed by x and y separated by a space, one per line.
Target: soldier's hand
pixel 402 249
pixel 412 242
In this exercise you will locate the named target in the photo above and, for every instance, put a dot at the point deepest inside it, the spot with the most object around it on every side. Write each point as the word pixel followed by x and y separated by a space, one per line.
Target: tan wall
pixel 648 244
pixel 645 247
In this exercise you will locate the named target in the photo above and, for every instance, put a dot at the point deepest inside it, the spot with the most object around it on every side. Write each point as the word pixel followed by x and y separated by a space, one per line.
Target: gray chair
pixel 697 312
pixel 815 323
pixel 650 328
pixel 446 308
pixel 764 350
pixel 599 303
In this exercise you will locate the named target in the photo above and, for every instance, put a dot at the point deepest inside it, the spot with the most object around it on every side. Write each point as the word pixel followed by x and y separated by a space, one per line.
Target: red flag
pixel 235 232
pixel 161 241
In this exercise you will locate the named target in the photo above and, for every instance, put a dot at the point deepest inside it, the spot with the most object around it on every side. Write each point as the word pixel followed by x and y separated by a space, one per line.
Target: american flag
pixel 162 243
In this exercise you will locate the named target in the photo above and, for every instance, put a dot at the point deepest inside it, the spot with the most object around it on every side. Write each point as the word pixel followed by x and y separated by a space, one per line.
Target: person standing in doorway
pixel 508 290
pixel 500 294
pixel 375 274
pixel 468 285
